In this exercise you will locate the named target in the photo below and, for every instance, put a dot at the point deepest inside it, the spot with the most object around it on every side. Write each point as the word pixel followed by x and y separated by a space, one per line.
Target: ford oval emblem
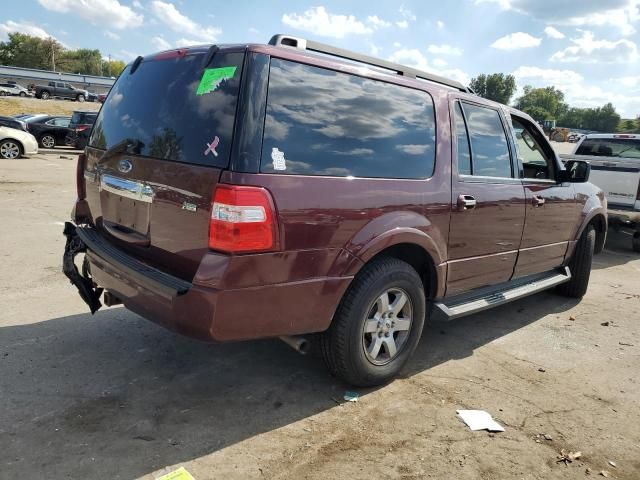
pixel 125 166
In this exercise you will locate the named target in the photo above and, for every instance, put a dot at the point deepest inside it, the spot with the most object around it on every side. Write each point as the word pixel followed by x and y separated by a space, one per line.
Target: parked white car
pixel 15 89
pixel 16 143
pixel 615 168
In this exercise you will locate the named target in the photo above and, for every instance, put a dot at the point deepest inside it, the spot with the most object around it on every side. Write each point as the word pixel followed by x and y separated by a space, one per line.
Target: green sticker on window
pixel 213 77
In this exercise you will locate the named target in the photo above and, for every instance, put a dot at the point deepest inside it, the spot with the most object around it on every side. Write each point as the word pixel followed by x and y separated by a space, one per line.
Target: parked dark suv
pixel 247 191
pixel 80 128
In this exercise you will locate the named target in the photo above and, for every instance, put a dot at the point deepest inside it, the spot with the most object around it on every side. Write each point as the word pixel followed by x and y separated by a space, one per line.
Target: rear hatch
pixel 156 152
pixel 615 166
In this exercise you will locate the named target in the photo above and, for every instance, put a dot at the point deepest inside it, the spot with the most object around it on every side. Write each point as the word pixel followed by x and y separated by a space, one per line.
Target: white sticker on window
pixel 279 162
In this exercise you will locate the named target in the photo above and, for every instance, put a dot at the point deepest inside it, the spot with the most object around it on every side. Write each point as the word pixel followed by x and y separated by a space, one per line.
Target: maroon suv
pixel 244 191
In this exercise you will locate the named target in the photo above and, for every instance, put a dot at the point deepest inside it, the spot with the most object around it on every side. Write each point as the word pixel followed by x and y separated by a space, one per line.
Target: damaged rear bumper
pixel 89 292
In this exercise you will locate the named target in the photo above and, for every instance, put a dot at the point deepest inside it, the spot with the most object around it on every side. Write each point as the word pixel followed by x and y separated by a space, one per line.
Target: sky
pixel 587 48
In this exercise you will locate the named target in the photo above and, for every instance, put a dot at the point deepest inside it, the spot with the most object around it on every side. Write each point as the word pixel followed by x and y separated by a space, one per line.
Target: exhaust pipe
pixel 299 344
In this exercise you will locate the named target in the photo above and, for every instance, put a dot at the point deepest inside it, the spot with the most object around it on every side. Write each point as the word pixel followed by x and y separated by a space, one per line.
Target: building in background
pixel 31 76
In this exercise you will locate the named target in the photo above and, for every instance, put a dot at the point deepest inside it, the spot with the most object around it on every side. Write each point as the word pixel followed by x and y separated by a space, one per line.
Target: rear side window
pixel 610 147
pixel 173 109
pixel 489 149
pixel 464 151
pixel 322 122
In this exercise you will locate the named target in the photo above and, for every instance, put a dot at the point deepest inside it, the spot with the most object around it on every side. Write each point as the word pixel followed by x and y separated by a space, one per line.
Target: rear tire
pixel 22 94
pixel 377 325
pixel 635 242
pixel 47 141
pixel 44 95
pixel 580 265
pixel 80 98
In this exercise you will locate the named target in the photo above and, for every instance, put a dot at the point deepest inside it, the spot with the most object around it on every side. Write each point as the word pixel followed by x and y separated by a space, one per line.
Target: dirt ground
pixel 10 106
pixel 114 396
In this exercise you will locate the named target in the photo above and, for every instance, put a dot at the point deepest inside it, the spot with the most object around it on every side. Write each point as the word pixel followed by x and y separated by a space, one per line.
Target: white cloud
pixel 587 49
pixel 444 50
pixel 376 22
pixel 621 18
pixel 168 14
pixel 21 27
pixel 318 21
pixel 253 31
pixel 440 24
pixel 111 35
pixel 187 42
pixel 517 40
pixel 402 24
pixel 553 32
pixel 137 4
pixel 629 82
pixel 406 13
pixel 397 45
pixel 374 49
pixel 413 57
pixel 109 13
pixel 160 43
pixel 620 14
pixel 439 62
pixel 547 76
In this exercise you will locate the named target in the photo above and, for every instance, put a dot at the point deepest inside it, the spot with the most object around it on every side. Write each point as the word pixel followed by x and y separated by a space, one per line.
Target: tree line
pixel 25 51
pixel 547 103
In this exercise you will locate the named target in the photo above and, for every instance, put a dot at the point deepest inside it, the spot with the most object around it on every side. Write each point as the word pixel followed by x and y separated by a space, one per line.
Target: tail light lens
pixel 243 220
pixel 80 128
pixel 80 185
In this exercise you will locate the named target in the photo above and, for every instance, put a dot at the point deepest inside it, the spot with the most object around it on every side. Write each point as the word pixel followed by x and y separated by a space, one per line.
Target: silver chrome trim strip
pixel 127 188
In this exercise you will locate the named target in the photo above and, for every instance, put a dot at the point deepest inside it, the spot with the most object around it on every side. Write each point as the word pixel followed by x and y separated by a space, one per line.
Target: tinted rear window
pixel 322 122
pixel 174 109
pixel 610 147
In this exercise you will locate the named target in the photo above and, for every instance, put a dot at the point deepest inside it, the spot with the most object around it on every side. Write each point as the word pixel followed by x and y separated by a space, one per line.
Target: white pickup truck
pixel 615 168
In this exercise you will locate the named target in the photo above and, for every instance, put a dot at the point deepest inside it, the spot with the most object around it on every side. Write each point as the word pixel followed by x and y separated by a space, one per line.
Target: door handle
pixel 128 236
pixel 466 202
pixel 537 201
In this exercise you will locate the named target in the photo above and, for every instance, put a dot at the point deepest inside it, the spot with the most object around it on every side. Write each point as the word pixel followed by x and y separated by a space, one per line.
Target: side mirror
pixel 576 171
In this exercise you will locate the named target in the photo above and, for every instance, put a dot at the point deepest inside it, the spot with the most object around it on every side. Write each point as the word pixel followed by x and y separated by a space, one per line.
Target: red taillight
pixel 80 128
pixel 243 220
pixel 80 185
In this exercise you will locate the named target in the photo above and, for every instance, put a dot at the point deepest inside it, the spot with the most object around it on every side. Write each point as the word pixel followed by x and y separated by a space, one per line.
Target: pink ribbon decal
pixel 211 147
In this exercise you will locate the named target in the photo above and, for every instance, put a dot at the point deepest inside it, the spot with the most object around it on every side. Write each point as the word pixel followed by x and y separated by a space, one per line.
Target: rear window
pixel 173 109
pixel 610 147
pixel 322 122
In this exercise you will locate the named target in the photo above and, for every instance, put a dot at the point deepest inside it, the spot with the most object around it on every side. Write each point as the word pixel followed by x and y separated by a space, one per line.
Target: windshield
pixel 174 109
pixel 610 147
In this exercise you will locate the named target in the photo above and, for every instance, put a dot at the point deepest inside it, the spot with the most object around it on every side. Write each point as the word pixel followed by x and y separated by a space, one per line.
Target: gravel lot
pixel 114 396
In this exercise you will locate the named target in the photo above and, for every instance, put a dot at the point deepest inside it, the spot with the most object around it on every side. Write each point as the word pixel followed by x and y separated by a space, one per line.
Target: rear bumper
pixel 207 313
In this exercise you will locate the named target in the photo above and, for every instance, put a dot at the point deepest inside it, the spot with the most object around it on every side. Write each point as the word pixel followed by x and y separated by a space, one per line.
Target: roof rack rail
pixel 311 45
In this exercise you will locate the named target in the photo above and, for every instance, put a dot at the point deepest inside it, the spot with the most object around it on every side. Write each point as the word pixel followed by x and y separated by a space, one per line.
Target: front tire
pixel 377 325
pixel 10 149
pixel 22 94
pixel 580 265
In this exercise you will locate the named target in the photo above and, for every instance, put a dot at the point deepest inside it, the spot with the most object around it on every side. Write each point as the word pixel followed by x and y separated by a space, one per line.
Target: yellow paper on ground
pixel 179 474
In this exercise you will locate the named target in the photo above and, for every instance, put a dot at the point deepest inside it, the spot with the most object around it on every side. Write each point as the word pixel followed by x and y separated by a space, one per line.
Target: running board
pixel 489 297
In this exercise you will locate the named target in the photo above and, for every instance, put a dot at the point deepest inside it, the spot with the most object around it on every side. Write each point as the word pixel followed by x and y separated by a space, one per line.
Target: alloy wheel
pixel 48 141
pixel 9 150
pixel 387 326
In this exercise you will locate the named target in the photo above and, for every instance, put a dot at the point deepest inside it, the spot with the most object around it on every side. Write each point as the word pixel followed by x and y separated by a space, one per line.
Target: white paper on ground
pixel 479 420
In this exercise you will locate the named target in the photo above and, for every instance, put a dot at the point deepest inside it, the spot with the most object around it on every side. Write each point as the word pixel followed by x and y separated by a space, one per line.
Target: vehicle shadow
pixel 117 396
pixel 617 251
